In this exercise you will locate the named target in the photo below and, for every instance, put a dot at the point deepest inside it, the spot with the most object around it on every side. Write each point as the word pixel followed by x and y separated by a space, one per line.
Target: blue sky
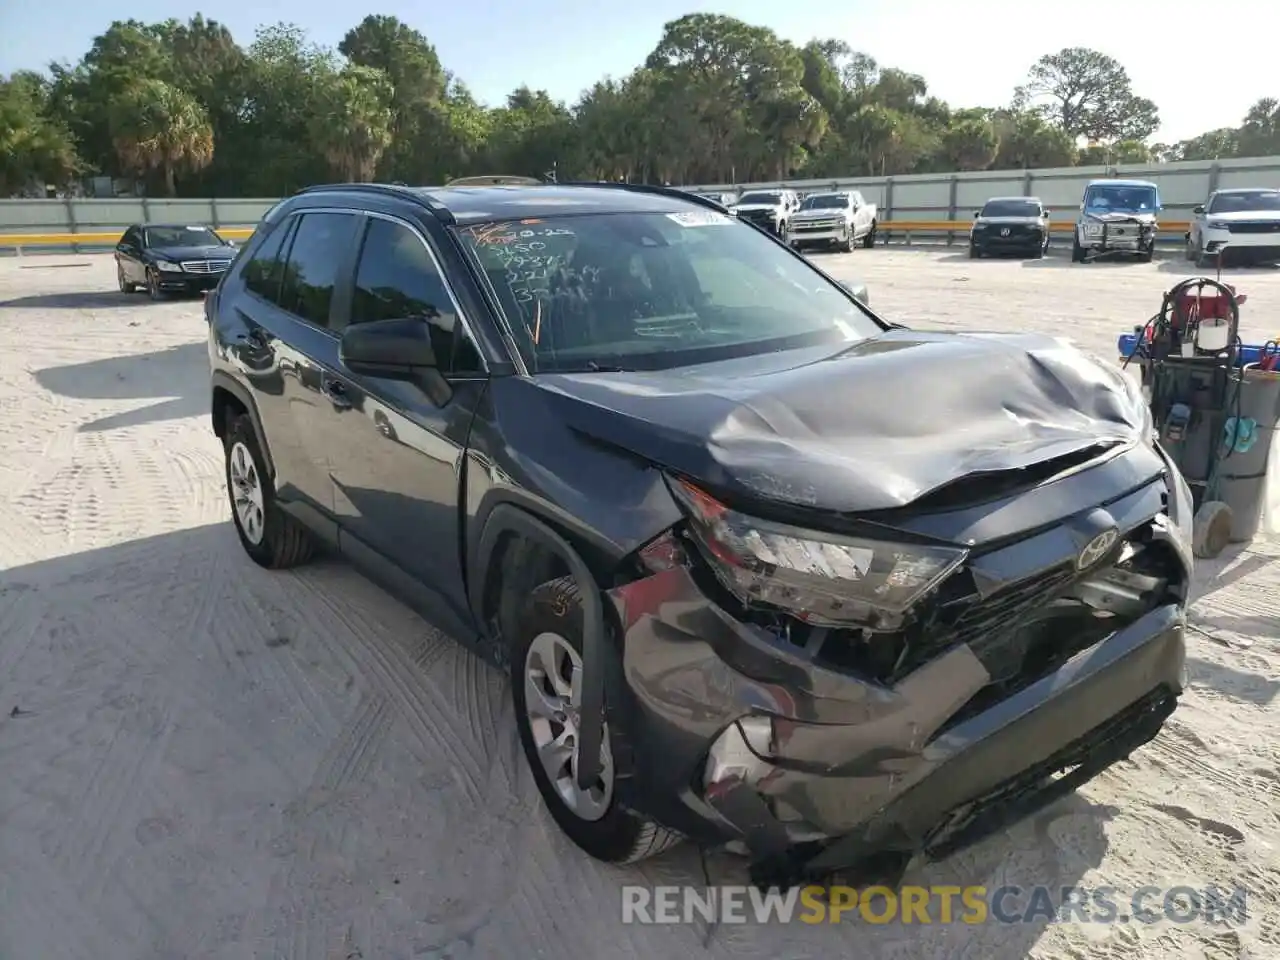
pixel 971 53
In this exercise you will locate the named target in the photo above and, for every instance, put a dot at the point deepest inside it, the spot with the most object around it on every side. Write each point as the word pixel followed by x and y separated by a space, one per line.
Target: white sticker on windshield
pixel 699 218
pixel 196 229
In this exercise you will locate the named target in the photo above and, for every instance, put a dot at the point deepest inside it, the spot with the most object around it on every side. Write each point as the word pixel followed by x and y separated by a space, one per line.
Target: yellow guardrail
pixel 10 240
pixel 69 239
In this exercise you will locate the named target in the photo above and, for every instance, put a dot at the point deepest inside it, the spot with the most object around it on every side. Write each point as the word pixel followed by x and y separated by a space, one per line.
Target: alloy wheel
pixel 553 699
pixel 246 493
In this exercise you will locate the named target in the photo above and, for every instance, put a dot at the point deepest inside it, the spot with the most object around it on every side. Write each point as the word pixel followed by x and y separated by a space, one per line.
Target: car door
pixel 397 484
pixel 129 255
pixel 286 345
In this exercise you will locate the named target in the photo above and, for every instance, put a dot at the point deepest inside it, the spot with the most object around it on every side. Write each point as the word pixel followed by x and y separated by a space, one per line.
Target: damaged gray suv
pixel 766 570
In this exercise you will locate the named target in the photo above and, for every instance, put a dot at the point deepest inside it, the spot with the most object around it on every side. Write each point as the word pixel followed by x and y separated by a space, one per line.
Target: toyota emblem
pixel 1004 232
pixel 1096 549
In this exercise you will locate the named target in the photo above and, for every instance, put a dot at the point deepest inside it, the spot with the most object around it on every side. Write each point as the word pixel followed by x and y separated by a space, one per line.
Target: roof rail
pixel 495 180
pixel 673 192
pixel 441 212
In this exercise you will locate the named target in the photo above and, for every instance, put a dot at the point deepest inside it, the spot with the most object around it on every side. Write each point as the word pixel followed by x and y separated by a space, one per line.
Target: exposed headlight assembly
pixel 820 578
pixel 166 266
pixel 1093 229
pixel 1218 225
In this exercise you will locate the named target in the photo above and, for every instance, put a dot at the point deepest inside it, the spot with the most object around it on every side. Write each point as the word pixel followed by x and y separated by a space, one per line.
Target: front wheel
pixel 975 252
pixel 1077 251
pixel 546 672
pixel 153 284
pixel 869 240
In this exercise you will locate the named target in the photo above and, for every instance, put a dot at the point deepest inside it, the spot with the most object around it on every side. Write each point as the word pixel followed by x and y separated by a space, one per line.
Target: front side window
pixel 319 248
pixel 655 290
pixel 182 237
pixel 396 279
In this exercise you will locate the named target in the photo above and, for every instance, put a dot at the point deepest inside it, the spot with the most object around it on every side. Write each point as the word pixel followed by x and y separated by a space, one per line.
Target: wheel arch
pixel 506 523
pixel 229 396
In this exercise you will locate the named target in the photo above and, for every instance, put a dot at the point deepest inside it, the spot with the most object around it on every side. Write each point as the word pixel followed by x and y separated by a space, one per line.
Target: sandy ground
pixel 202 760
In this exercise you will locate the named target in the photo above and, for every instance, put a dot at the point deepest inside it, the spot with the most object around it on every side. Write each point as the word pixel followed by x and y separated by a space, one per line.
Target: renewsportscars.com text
pixel 934 905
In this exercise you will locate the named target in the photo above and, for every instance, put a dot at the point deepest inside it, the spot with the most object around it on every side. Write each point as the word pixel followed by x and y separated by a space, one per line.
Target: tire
pixel 1077 251
pixel 1211 529
pixel 847 245
pixel 153 284
pixel 1192 254
pixel 124 285
pixel 606 830
pixel 1148 254
pixel 975 252
pixel 869 240
pixel 1037 253
pixel 277 541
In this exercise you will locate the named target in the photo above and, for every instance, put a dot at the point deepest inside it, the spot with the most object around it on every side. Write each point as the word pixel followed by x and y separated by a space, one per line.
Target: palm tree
pixel 353 121
pixel 156 126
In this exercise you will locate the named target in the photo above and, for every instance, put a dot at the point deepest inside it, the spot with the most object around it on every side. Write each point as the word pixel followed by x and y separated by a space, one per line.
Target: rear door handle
pixel 336 391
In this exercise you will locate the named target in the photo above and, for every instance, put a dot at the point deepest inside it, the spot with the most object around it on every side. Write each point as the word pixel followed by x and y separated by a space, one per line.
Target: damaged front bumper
pixel 740 736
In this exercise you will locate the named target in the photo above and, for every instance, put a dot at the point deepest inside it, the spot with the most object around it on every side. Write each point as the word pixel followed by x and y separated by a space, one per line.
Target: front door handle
pixel 336 391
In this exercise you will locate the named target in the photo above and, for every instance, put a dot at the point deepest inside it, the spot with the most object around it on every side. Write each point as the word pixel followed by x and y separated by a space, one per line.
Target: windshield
pixel 654 291
pixel 181 237
pixel 1121 198
pixel 768 198
pixel 826 201
pixel 1010 208
pixel 1246 201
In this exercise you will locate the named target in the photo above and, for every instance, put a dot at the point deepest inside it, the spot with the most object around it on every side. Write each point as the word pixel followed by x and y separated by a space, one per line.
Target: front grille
pixel 1015 231
pixel 205 266
pixel 1035 787
pixel 1254 226
pixel 815 225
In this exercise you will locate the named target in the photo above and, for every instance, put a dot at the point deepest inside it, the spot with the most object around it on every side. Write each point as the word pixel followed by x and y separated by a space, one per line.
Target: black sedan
pixel 164 258
pixel 1010 225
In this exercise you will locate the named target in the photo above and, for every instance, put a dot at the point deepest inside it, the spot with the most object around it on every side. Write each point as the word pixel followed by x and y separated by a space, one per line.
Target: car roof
pixel 173 226
pixel 479 204
pixel 1249 190
pixel 1122 183
pixel 1008 199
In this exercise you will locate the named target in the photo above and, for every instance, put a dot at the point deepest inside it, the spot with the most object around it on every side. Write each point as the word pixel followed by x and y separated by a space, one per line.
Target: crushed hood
pixel 872 426
pixel 1119 216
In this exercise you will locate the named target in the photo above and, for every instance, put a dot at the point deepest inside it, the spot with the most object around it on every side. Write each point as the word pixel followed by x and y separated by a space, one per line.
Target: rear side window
pixel 317 253
pixel 263 270
pixel 396 279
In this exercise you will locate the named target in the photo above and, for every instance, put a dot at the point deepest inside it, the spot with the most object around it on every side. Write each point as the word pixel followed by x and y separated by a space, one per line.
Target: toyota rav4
pixel 766 570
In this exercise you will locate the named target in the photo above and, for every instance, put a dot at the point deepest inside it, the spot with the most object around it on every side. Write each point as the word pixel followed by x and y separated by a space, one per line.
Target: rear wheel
pixel 546 672
pixel 271 537
pixel 124 285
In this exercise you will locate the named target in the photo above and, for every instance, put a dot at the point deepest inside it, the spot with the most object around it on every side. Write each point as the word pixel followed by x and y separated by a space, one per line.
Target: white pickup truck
pixel 833 220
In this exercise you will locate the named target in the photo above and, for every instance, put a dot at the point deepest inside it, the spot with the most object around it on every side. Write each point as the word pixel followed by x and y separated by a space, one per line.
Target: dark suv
pixel 765 569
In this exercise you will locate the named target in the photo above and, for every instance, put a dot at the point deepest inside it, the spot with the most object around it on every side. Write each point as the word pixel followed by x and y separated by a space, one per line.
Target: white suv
pixel 1239 225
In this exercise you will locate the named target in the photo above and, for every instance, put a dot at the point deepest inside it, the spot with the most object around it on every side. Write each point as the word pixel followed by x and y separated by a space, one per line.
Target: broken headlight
pixel 821 578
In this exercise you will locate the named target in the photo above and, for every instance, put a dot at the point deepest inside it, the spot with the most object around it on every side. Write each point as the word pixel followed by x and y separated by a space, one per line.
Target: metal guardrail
pixel 887 228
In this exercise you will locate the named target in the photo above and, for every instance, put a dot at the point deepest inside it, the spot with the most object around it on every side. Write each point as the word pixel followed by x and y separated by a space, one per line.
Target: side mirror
pixel 1046 214
pixel 394 350
pixel 977 214
pixel 1198 208
pixel 857 290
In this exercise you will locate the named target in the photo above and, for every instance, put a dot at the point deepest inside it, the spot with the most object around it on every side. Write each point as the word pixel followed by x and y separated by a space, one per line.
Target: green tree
pixel 352 122
pixel 158 128
pixel 1088 94
pixel 34 147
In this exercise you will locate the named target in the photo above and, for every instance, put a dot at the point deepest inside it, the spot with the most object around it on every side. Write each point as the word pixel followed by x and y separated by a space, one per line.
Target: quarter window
pixel 319 249
pixel 396 279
